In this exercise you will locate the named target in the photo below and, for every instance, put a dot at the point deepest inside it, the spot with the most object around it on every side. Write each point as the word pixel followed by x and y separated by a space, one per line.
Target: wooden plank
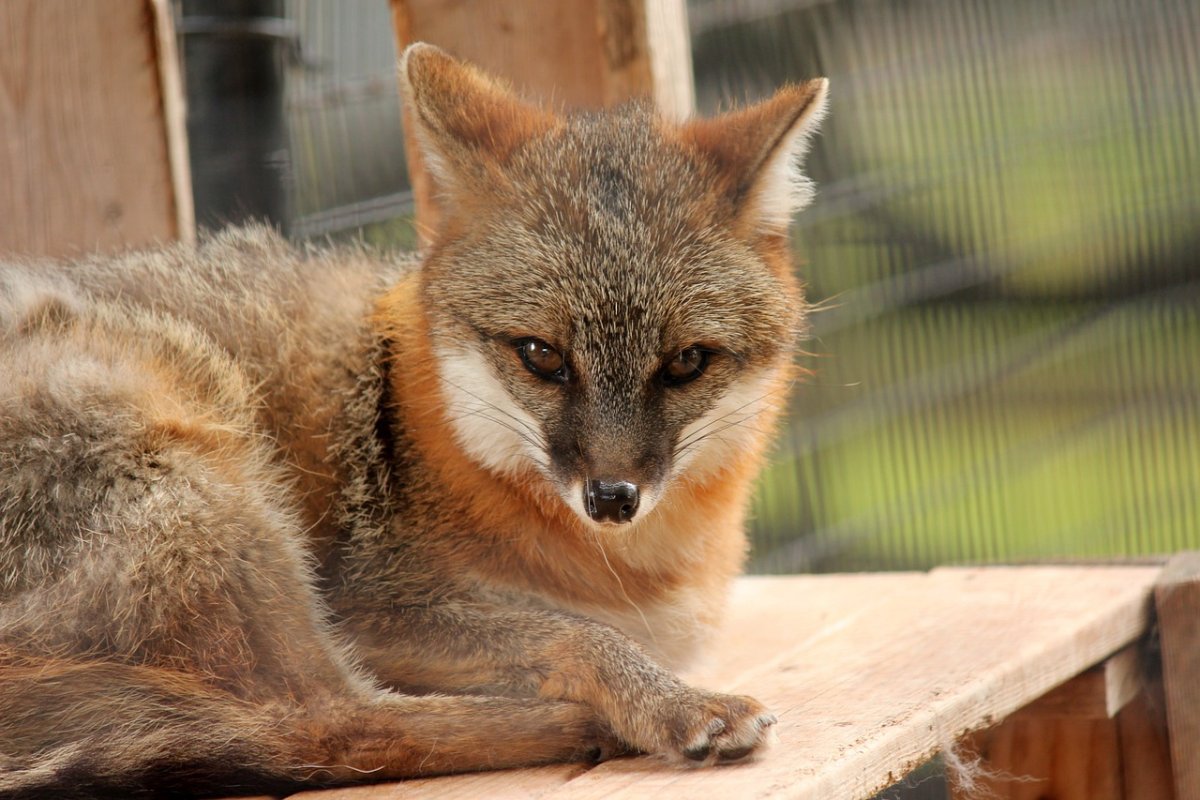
pixel 174 110
pixel 524 784
pixel 872 674
pixel 581 54
pixel 1177 600
pixel 90 149
pixel 1038 757
pixel 1099 693
pixel 1068 744
pixel 670 52
pixel 949 653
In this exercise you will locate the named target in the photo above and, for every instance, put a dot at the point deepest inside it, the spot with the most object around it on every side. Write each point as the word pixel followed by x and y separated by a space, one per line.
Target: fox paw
pixel 718 728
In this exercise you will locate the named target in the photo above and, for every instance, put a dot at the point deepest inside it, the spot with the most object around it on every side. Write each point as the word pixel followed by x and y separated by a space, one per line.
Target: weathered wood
pixel 870 675
pixel 521 784
pixel 906 672
pixel 92 145
pixel 581 54
pixel 174 112
pixel 1099 693
pixel 1064 745
pixel 1145 750
pixel 1049 758
pixel 1177 599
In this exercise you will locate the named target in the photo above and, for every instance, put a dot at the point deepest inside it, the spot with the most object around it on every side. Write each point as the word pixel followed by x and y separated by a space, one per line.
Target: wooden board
pixel 1177 599
pixel 1145 750
pixel 1099 693
pixel 92 145
pixel 578 54
pixel 522 784
pixel 1049 758
pixel 1058 756
pixel 870 676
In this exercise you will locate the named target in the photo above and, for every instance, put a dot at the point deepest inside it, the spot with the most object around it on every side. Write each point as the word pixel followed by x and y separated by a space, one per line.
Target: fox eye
pixel 685 367
pixel 542 360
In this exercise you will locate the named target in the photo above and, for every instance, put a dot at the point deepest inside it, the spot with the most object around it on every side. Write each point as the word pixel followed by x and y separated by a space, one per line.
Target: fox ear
pixel 757 153
pixel 465 120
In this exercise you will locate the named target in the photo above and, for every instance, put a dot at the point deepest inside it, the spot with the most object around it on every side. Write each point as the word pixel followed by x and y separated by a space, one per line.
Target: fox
pixel 276 516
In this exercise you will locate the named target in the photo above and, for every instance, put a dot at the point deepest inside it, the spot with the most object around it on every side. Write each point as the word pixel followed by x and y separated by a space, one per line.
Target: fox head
pixel 609 296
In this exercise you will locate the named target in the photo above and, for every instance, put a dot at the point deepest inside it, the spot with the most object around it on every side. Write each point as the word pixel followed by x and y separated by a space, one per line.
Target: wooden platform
pixel 872 675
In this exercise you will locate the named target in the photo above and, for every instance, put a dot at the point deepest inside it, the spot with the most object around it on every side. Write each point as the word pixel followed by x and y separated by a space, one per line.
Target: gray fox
pixel 276 516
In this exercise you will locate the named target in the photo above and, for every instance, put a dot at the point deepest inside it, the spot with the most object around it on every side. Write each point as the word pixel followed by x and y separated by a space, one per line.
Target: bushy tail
pixel 102 729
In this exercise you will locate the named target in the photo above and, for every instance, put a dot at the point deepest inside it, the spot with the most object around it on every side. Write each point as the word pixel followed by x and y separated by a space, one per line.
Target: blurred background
pixel 1003 257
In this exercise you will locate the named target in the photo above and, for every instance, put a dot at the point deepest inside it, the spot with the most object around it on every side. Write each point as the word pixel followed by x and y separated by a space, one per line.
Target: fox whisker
pixel 516 419
pixel 544 466
pixel 738 423
pixel 479 412
pixel 698 435
pixel 595 539
pixel 761 398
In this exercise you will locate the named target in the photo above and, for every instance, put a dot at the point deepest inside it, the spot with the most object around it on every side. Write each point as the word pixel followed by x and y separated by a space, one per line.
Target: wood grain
pixel 1145 751
pixel 872 674
pixel 1099 693
pixel 1049 758
pixel 174 111
pixel 525 784
pixel 84 131
pixel 1177 599
pixel 1073 757
pixel 581 54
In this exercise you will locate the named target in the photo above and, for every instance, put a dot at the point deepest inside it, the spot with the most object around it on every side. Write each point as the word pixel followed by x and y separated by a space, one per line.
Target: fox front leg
pixel 471 648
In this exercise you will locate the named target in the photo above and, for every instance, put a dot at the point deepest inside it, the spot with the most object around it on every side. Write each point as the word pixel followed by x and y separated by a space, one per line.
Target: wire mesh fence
pixel 1004 261
pixel 1007 249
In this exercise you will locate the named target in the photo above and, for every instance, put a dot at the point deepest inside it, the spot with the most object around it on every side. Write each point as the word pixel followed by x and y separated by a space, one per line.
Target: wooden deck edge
pixel 1177 600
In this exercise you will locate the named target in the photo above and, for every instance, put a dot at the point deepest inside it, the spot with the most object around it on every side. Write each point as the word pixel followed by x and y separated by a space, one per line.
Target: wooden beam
pixel 1046 755
pixel 174 112
pixel 1049 758
pixel 1145 751
pixel 1099 693
pixel 578 54
pixel 1177 600
pixel 92 143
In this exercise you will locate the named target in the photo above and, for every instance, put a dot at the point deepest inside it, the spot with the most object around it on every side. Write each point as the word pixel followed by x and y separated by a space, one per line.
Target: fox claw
pixel 724 729
pixel 605 747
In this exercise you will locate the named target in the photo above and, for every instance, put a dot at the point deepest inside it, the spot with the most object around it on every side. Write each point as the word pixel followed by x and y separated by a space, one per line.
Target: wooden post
pixel 1177 599
pixel 1145 753
pixel 1100 736
pixel 93 150
pixel 578 54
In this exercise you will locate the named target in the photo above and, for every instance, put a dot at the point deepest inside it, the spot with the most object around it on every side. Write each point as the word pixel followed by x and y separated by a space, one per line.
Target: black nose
pixel 610 502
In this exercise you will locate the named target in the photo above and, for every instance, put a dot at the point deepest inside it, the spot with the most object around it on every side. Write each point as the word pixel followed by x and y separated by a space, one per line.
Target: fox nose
pixel 610 502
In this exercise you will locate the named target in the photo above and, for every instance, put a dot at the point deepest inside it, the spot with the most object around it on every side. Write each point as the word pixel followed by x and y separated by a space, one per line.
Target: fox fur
pixel 277 516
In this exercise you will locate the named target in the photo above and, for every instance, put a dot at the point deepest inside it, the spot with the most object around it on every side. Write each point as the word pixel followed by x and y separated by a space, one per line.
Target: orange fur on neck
pixel 517 533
